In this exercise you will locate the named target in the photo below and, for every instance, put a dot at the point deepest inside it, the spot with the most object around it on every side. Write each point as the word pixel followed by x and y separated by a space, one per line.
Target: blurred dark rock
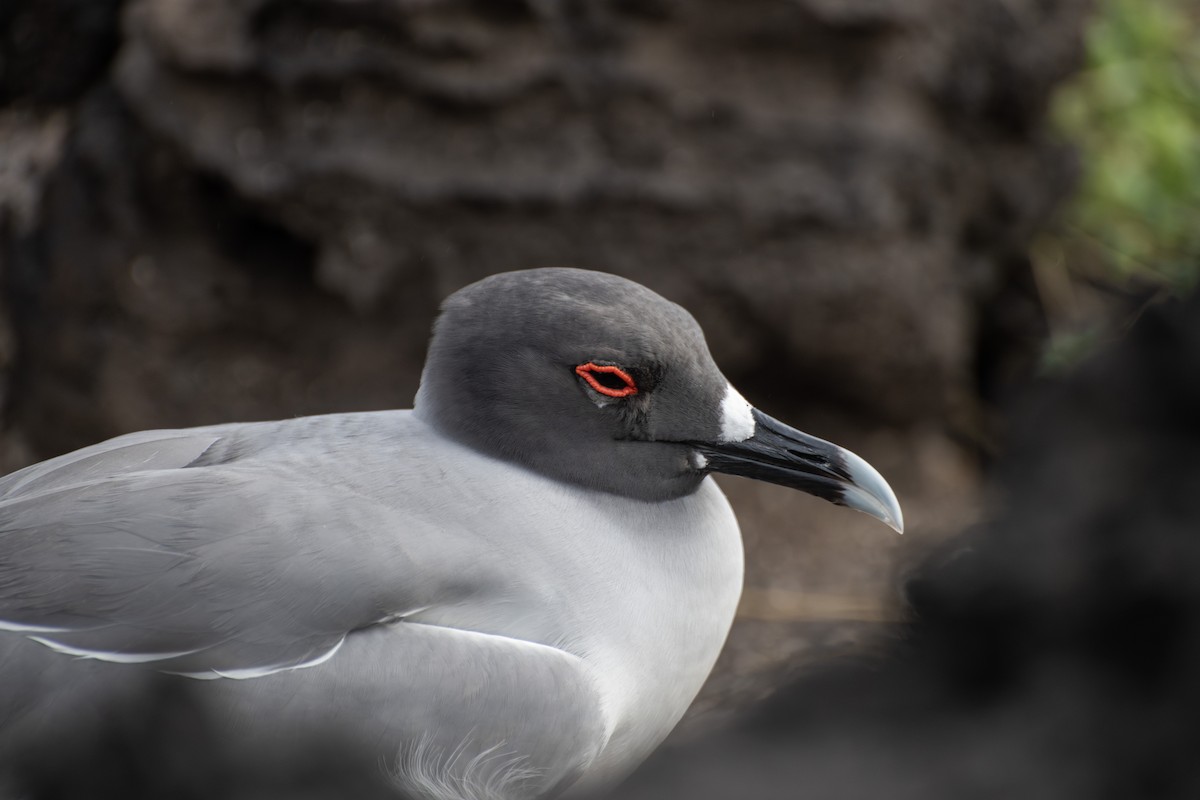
pixel 159 743
pixel 251 208
pixel 836 189
pixel 1054 651
pixel 53 51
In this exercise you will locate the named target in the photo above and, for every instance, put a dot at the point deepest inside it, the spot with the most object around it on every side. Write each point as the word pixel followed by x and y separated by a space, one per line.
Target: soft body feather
pixel 349 566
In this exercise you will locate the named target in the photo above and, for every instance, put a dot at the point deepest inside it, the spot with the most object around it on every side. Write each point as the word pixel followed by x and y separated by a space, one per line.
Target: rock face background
pixel 216 210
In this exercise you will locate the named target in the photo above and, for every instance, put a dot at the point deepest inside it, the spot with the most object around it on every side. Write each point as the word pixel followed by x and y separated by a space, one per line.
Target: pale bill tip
pixel 871 494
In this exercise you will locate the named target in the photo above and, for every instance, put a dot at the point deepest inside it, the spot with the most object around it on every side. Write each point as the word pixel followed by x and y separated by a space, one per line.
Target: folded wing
pixel 145 550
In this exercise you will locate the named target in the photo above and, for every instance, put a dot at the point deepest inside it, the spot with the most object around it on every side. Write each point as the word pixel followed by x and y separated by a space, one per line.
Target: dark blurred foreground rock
pixel 1055 651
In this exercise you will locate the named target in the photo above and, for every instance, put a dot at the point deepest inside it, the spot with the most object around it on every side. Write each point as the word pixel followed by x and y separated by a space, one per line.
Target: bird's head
pixel 595 380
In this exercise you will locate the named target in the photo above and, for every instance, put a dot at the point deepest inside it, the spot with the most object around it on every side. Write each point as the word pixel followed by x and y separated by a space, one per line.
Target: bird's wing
pixel 146 450
pixel 143 550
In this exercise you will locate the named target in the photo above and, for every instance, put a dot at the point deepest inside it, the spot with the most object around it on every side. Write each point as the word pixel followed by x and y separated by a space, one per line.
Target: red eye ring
pixel 587 372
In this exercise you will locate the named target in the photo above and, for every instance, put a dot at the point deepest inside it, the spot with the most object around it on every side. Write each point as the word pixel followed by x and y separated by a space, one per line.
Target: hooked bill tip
pixel 869 493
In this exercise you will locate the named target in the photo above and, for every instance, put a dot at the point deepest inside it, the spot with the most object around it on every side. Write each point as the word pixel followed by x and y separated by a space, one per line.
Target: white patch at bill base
pixel 737 423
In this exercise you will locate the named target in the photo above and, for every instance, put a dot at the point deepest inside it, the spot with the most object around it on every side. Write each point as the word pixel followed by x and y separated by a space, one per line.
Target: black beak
pixel 781 454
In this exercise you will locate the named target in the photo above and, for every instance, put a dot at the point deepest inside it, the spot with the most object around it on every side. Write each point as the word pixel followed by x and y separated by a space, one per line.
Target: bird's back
pixel 335 573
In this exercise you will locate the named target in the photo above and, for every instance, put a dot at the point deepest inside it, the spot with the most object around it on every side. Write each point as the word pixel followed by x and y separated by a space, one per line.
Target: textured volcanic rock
pixel 217 210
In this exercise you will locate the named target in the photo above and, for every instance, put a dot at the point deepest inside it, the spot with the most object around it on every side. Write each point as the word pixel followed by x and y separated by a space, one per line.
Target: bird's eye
pixel 607 379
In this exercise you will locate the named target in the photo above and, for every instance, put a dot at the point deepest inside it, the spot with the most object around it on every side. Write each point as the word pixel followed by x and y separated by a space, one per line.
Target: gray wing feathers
pixel 122 555
pixel 146 450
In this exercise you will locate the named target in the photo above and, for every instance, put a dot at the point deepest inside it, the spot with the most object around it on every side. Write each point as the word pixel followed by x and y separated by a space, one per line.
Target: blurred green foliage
pixel 1135 114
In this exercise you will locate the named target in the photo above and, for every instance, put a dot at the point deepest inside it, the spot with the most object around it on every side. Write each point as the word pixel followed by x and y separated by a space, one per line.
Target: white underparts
pixel 737 423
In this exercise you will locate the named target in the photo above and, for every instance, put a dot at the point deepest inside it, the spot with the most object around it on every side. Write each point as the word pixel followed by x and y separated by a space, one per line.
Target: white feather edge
pixel 102 655
pixel 259 672
pixel 145 658
pixel 17 627
pixel 203 675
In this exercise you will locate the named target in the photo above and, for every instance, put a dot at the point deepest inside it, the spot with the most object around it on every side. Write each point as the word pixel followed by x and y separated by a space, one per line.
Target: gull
pixel 513 590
